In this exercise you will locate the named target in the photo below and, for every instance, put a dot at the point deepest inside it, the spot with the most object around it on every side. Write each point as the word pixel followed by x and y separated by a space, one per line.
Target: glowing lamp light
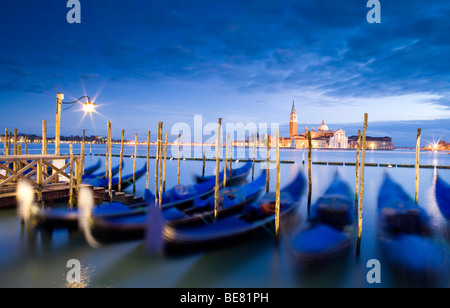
pixel 89 107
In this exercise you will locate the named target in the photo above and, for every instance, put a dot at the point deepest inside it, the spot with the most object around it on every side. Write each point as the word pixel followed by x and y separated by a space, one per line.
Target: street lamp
pixel 88 107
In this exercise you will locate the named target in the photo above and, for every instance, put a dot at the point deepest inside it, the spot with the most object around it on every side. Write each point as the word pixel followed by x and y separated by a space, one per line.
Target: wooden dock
pixel 51 187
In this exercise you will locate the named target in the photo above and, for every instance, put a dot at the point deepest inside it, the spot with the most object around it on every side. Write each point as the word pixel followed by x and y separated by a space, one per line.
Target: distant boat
pixel 89 177
pixel 93 168
pixel 238 175
pixel 126 180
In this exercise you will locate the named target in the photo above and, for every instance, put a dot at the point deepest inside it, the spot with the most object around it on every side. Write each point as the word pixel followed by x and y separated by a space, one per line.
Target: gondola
pixel 103 174
pixel 238 175
pixel 443 197
pixel 328 233
pixel 404 232
pixel 255 219
pixel 126 180
pixel 91 169
pixel 133 224
pixel 180 196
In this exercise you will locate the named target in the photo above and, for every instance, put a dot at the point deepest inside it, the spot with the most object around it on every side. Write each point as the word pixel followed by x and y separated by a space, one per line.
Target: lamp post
pixel 88 107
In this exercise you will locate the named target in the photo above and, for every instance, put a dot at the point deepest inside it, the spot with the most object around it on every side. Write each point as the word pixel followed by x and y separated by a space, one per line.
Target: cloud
pixel 320 53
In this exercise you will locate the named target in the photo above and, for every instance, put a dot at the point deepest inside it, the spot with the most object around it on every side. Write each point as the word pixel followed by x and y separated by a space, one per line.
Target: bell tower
pixel 293 122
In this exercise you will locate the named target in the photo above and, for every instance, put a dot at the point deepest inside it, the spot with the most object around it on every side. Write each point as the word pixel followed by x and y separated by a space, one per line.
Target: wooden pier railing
pixel 39 171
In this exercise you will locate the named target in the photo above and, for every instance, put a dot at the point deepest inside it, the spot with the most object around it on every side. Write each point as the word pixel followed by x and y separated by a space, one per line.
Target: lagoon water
pixel 39 260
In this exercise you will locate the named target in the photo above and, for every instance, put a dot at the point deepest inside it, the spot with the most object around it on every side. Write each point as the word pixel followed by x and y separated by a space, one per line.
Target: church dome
pixel 323 127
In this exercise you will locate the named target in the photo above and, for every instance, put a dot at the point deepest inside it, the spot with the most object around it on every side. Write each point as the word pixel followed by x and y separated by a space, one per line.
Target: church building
pixel 322 138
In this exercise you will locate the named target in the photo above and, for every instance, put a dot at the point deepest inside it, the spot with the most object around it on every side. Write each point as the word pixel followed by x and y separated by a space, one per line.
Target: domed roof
pixel 323 127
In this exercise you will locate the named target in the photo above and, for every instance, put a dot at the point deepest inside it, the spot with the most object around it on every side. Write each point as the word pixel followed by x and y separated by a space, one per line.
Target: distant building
pixel 372 143
pixel 323 138
pixel 293 122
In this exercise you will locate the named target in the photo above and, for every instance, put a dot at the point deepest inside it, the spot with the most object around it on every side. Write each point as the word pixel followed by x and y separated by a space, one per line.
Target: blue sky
pixel 242 60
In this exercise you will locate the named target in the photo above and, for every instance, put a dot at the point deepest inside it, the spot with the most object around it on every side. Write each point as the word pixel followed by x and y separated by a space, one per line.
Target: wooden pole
pixel 165 161
pixel 16 165
pixel 44 137
pixel 179 153
pixel 419 131
pixel 77 174
pixel 303 146
pixel 9 142
pixel 230 172
pixel 82 153
pixel 161 145
pixel 253 162
pixel 59 98
pixel 268 164
pixel 148 161
pixel 5 143
pixel 216 191
pixel 71 177
pixel 204 163
pixel 277 202
pixel 309 169
pixel 121 160
pixel 225 162
pixel 134 162
pixel 361 193
pixel 109 163
pixel 19 153
pixel 15 141
pixel 108 138
pixel 156 165
pixel 358 146
pixel 26 145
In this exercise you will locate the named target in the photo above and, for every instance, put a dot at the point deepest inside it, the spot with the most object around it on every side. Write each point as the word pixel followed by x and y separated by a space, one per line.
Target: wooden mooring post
pixel 358 146
pixel 225 162
pixel 309 170
pixel 277 201
pixel 134 162
pixel 216 190
pixel 5 143
pixel 119 188
pixel 268 164
pixel 157 164
pixel 147 183
pixel 253 161
pixel 165 162
pixel 419 131
pixel 361 193
pixel 179 157
pixel 71 177
pixel 109 159
pixel 204 163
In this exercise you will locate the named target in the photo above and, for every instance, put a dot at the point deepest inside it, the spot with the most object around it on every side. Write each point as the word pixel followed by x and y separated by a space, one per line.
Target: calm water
pixel 39 260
